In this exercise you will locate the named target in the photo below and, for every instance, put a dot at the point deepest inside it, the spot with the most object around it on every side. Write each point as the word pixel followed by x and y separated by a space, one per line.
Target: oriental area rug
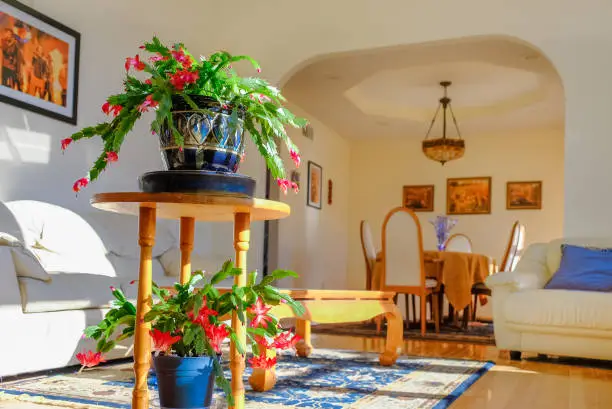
pixel 329 379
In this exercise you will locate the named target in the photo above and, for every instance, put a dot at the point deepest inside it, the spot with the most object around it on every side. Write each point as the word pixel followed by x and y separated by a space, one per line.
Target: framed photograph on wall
pixel 418 198
pixel 468 195
pixel 315 184
pixel 40 62
pixel 524 195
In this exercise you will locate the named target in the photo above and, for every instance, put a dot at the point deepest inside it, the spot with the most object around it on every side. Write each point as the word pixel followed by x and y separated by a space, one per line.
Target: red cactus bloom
pixel 162 341
pixel 149 102
pixel 142 47
pixel 258 70
pixel 111 157
pixel 116 109
pixel 286 340
pixel 283 184
pixel 134 62
pixel 203 314
pixel 262 342
pixel 181 78
pixel 296 158
pixel 182 58
pixel 79 184
pixel 65 143
pixel 89 359
pixel 296 189
pixel 216 334
pixel 148 81
pixel 132 282
pixel 157 58
pixel 106 107
pixel 260 313
pixel 262 362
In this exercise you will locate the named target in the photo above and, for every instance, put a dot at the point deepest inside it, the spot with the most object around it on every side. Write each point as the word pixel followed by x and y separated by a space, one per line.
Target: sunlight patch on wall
pixel 30 146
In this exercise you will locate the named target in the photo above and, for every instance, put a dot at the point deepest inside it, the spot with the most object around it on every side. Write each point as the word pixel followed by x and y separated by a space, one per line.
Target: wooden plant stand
pixel 187 208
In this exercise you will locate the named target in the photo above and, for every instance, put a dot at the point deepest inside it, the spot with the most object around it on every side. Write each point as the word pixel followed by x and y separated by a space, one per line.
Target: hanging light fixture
pixel 444 149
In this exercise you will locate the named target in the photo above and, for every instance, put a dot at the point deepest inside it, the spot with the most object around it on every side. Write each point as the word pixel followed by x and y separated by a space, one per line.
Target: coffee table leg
pixel 187 233
pixel 304 346
pixel 395 334
pixel 142 338
pixel 242 222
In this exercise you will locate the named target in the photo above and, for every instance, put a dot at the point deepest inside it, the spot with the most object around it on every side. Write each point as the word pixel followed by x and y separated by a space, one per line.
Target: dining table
pixel 456 271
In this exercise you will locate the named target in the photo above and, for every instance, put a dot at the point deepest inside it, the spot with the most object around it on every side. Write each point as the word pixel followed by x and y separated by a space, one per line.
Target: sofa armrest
pixel 516 280
pixel 530 273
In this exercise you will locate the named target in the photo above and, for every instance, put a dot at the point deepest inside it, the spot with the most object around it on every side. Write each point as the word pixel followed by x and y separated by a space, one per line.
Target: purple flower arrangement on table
pixel 443 226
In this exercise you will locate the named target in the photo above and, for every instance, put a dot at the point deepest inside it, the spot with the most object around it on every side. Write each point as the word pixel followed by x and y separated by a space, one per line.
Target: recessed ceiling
pixel 499 85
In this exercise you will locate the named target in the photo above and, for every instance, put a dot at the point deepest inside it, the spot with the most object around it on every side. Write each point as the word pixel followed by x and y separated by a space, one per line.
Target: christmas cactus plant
pixel 173 71
pixel 188 321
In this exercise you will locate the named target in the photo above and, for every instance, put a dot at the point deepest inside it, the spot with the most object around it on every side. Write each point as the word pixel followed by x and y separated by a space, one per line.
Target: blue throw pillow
pixel 583 269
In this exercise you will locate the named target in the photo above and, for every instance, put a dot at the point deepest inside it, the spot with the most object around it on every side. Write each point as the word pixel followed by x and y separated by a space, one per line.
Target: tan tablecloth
pixel 459 272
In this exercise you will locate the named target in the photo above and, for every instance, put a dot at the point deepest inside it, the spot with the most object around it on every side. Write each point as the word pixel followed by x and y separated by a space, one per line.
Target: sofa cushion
pixel 66 292
pixel 128 268
pixel 553 255
pixel 560 308
pixel 583 269
pixel 119 234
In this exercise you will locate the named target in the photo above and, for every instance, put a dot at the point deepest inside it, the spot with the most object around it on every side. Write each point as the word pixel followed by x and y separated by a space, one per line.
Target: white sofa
pixel 529 318
pixel 56 268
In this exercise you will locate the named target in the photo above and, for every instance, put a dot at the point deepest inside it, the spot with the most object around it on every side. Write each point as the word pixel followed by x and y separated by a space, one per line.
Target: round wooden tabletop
pixel 201 207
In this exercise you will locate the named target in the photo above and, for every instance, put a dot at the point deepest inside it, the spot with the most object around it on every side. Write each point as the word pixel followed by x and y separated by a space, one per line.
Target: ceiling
pixel 498 86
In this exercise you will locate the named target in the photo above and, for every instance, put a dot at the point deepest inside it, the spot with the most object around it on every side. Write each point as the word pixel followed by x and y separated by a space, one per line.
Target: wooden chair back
pixel 515 246
pixel 369 251
pixel 402 247
pixel 458 242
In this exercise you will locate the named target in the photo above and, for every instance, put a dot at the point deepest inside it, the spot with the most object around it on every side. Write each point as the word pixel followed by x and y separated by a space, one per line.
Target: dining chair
pixel 458 242
pixel 512 255
pixel 403 262
pixel 369 251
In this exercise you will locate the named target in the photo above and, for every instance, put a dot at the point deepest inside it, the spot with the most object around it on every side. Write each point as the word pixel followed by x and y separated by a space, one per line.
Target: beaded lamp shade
pixel 444 149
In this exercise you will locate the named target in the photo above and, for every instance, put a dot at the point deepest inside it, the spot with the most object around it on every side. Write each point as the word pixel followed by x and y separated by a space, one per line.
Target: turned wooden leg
pixel 436 311
pixel 414 314
pixel 304 346
pixel 423 314
pixel 242 234
pixel 395 335
pixel 474 307
pixel 142 338
pixel 262 380
pixel 187 233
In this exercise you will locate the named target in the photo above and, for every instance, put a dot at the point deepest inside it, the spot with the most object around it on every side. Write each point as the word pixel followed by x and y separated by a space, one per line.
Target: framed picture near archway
pixel 39 62
pixel 315 185
pixel 524 195
pixel 418 198
pixel 468 195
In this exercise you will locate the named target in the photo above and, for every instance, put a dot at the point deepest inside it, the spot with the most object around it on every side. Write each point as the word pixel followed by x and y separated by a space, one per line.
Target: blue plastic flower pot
pixel 184 382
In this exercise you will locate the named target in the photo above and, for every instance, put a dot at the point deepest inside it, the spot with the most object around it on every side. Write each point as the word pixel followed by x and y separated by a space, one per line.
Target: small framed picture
pixel 418 198
pixel 524 195
pixel 40 62
pixel 315 182
pixel 468 195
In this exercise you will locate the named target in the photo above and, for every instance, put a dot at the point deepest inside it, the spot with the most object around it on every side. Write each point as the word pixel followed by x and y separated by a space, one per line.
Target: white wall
pixel 32 165
pixel 313 242
pixel 380 169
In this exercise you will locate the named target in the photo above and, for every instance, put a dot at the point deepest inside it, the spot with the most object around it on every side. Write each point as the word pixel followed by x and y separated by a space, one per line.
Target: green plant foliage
pixel 173 71
pixel 191 312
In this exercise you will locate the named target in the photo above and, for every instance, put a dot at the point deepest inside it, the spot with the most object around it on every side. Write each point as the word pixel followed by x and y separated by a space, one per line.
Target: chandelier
pixel 444 149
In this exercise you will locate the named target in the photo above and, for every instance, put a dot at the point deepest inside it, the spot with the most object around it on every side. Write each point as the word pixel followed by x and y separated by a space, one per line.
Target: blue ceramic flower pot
pixel 184 382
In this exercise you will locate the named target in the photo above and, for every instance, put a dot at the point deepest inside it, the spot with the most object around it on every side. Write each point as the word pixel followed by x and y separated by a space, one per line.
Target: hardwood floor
pixel 528 384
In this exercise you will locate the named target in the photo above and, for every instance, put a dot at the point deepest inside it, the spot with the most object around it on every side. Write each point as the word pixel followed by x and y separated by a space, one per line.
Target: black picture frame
pixel 33 35
pixel 314 194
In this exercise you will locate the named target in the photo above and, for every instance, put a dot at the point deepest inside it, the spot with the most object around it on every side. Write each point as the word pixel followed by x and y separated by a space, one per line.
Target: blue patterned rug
pixel 329 379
